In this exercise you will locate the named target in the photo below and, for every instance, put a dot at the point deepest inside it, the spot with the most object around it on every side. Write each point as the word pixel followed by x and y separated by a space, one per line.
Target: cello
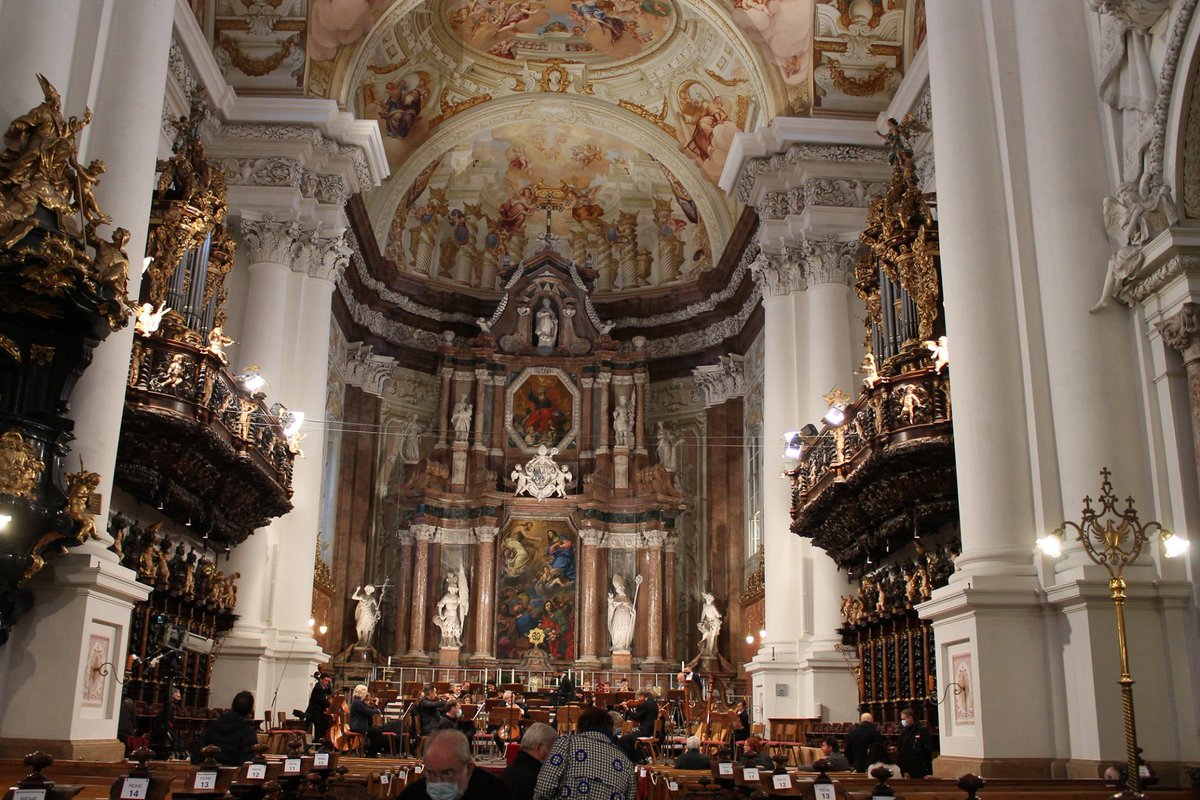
pixel 338 716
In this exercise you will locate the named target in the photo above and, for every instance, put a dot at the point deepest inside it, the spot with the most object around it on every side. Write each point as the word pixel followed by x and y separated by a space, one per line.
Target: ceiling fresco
pixel 599 31
pixel 619 115
pixel 608 202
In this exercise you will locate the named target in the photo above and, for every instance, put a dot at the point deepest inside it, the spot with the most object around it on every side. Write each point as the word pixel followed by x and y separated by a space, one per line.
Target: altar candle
pixel 485 676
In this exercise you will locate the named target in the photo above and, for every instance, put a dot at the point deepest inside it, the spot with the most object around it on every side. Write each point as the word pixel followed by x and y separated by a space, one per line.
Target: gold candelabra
pixel 1114 539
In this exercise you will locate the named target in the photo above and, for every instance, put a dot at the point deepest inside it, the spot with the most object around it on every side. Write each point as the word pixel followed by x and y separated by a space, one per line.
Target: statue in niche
pixel 623 422
pixel 546 325
pixel 667 441
pixel 461 418
pixel 451 613
pixel 622 613
pixel 709 626
pixel 366 613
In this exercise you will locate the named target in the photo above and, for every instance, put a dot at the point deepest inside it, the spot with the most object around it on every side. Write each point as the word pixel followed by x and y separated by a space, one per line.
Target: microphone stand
pixel 279 683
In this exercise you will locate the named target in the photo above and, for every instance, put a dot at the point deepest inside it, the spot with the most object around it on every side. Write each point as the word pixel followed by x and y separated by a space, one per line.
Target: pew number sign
pixel 321 760
pixel 205 781
pixel 824 791
pixel 750 774
pixel 256 772
pixel 291 766
pixel 29 794
pixel 725 768
pixel 783 781
pixel 135 788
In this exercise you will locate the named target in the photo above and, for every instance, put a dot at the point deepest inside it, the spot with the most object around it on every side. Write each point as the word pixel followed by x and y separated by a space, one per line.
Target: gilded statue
pixel 19 466
pixel 80 486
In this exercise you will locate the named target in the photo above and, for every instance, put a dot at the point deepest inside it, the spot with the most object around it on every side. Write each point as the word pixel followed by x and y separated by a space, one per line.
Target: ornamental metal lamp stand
pixel 1113 539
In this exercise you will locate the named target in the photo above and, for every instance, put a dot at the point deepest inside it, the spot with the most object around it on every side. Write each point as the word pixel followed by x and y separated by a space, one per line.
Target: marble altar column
pixel 444 427
pixel 639 402
pixel 485 595
pixel 654 661
pixel 404 577
pixel 589 595
pixel 602 383
pixel 416 654
pixel 481 380
pixel 671 601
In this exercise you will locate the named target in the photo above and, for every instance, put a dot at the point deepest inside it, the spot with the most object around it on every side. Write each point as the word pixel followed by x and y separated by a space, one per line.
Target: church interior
pixel 828 357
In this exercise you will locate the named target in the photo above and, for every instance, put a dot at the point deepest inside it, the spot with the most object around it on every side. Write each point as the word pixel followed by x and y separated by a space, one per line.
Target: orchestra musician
pixel 457 720
pixel 316 714
pixel 502 734
pixel 363 711
pixel 429 710
pixel 645 713
pixel 566 689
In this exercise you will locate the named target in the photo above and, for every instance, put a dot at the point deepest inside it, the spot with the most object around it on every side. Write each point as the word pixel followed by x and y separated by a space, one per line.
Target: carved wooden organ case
pixel 540 446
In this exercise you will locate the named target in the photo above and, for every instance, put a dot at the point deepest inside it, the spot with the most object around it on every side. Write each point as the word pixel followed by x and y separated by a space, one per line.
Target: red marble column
pixel 590 593
pixel 444 406
pixel 670 601
pixel 1182 332
pixel 654 598
pixel 403 593
pixel 485 595
pixel 420 594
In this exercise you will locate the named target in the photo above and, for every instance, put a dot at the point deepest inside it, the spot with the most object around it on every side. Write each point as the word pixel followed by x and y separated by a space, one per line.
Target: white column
pixel 36 37
pixel 990 609
pixel 774 669
pixel 1094 398
pixel 85 597
pixel 831 341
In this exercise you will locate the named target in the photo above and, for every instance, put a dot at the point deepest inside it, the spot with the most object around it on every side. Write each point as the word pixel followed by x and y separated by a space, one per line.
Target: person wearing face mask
pixel 456 720
pixel 914 754
pixel 521 775
pixel 450 774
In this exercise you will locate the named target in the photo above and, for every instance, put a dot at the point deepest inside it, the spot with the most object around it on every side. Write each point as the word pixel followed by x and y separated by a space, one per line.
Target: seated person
pixel 521 775
pixel 755 755
pixel 503 735
pixel 456 720
pixel 362 714
pixel 450 772
pixel 878 756
pixel 645 713
pixel 232 732
pixel 692 758
pixel 741 729
pixel 831 753
pixel 429 710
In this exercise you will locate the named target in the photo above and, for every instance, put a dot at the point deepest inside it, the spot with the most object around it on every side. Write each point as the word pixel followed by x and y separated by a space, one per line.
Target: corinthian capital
pixel 1182 331
pixel 829 260
pixel 722 381
pixel 368 370
pixel 778 272
pixel 324 254
pixel 486 533
pixel 270 240
pixel 654 538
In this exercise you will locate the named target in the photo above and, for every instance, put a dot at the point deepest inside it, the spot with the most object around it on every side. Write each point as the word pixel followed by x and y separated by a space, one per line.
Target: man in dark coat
pixel 429 709
pixel 566 690
pixel 318 704
pixel 645 713
pixel 521 775
pixel 232 732
pixel 692 758
pixel 859 740
pixel 915 756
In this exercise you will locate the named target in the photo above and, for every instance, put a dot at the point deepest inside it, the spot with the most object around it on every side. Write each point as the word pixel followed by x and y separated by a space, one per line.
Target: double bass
pixel 338 717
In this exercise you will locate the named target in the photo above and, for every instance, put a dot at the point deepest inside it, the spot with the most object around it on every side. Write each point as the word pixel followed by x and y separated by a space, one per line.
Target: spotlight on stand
pixel 4 520
pixel 837 401
pixel 250 379
pixel 792 445
pixel 290 421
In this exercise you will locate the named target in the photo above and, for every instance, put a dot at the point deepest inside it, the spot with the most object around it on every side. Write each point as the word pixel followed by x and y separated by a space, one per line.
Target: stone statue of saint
pixel 622 613
pixel 546 326
pixel 666 447
pixel 709 626
pixel 622 422
pixel 451 613
pixel 461 418
pixel 366 613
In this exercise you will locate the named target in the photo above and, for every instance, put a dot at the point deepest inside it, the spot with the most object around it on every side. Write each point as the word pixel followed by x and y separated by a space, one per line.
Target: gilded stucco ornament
pixel 19 466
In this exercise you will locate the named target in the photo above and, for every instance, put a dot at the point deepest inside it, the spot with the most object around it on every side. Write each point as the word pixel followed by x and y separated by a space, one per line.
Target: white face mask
pixel 904 723
pixel 442 791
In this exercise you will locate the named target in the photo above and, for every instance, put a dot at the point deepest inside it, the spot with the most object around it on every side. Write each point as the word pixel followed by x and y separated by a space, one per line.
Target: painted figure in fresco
pixel 516 552
pixel 598 12
pixel 402 107
pixel 560 556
